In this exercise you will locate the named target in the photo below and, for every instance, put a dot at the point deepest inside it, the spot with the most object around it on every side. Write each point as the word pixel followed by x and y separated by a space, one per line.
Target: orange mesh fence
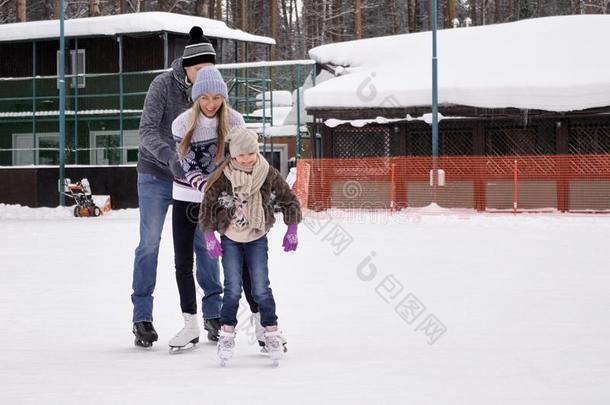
pixel 484 183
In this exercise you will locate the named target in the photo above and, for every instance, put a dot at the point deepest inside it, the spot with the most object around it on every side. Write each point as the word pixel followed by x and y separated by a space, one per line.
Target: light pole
pixel 434 105
pixel 62 107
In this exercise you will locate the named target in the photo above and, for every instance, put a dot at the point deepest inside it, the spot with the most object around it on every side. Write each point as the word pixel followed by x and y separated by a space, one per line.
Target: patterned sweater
pixel 198 163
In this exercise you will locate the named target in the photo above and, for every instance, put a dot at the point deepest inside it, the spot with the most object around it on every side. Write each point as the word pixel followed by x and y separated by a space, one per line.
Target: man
pixel 167 97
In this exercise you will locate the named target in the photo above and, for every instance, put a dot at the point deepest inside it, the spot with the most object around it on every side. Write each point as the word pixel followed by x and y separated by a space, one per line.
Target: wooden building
pixel 109 64
pixel 501 101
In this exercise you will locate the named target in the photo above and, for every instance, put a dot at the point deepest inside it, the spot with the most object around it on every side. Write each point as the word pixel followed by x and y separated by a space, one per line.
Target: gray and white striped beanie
pixel 209 81
pixel 198 49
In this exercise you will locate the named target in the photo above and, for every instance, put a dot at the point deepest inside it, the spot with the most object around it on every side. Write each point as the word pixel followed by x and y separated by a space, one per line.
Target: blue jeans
pixel 154 198
pixel 255 255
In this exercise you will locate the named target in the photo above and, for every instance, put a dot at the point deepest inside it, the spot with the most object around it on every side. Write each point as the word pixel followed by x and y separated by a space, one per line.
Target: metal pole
pixel 264 120
pixel 298 134
pixel 434 105
pixel 247 89
pixel 165 50
pixel 33 102
pixel 122 96
pixel 236 77
pixel 264 87
pixel 75 79
pixel 515 188
pixel 269 74
pixel 62 106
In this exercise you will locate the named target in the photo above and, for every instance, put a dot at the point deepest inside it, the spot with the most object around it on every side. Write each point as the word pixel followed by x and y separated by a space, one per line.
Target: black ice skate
pixel 145 334
pixel 212 325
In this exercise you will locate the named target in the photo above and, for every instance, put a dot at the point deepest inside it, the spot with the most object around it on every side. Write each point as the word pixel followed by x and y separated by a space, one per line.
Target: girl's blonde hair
pixel 212 178
pixel 221 132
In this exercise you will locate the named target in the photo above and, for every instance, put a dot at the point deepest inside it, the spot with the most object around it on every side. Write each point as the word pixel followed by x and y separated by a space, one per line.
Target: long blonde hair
pixel 222 130
pixel 212 178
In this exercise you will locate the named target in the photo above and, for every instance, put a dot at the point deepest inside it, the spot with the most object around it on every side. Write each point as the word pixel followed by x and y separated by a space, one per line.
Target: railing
pixel 110 105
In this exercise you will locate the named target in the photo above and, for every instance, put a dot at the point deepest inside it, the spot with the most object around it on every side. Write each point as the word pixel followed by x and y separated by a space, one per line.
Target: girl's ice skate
pixel 226 344
pixel 188 337
pixel 274 343
pixel 259 330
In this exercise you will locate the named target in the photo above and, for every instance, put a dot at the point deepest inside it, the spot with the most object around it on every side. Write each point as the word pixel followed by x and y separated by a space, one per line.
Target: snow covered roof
pixel 553 63
pixel 125 24
pixel 67 112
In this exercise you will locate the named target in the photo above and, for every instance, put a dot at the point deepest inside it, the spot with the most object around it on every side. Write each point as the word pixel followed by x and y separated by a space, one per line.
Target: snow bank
pixel 281 98
pixel 19 212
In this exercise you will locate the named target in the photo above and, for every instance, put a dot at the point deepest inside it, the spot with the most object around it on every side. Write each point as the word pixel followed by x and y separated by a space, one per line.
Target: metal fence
pixel 103 111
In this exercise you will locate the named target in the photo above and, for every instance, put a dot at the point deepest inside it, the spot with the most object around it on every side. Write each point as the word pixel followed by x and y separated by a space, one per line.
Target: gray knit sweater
pixel 167 97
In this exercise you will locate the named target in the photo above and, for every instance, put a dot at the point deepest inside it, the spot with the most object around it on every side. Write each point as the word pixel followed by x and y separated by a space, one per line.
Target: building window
pixel 106 147
pixel 76 67
pixel 280 156
pixel 46 151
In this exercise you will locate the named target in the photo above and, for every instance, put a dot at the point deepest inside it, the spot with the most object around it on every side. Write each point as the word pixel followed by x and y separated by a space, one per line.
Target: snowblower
pixel 80 192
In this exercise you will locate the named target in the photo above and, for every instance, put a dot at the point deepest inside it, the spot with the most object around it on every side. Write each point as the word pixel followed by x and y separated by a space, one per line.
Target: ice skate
pixel 145 334
pixel 212 326
pixel 259 330
pixel 188 337
pixel 226 344
pixel 274 343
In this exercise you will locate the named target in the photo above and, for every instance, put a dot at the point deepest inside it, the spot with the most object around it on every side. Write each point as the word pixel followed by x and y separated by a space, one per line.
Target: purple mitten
pixel 212 245
pixel 290 239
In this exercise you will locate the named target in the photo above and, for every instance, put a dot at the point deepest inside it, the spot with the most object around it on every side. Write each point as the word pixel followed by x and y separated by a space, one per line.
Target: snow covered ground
pixel 414 308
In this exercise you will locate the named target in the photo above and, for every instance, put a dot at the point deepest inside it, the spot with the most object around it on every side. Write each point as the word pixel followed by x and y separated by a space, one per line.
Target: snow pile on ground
pixel 18 212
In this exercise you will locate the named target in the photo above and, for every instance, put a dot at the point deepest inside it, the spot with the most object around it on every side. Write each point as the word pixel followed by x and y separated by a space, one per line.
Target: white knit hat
pixel 242 141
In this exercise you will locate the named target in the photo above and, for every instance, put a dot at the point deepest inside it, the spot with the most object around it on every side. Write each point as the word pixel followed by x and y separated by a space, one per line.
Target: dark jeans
pixel 254 254
pixel 186 233
pixel 187 236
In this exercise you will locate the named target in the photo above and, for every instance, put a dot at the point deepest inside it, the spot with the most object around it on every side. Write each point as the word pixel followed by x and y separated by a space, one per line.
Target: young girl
pixel 238 203
pixel 200 134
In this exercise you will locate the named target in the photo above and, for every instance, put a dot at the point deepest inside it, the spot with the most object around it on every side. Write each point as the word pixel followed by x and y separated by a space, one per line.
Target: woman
pixel 200 134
